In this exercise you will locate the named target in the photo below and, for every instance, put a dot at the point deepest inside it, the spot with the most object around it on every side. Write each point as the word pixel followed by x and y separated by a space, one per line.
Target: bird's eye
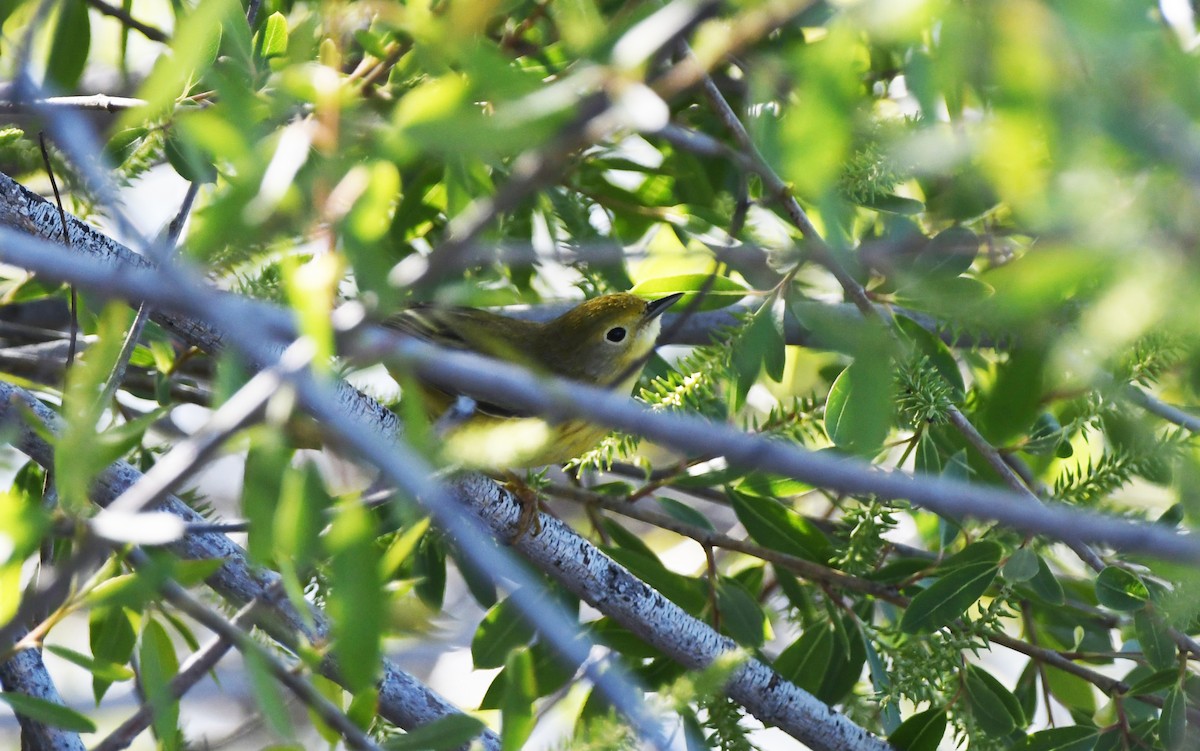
pixel 615 334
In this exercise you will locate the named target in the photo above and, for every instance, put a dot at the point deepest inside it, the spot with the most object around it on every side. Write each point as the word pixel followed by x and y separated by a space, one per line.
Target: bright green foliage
pixel 1011 185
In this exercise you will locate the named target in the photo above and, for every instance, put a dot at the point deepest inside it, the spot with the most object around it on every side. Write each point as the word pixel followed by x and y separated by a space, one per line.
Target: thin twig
pixel 1168 412
pixel 66 236
pixel 150 32
pixel 117 376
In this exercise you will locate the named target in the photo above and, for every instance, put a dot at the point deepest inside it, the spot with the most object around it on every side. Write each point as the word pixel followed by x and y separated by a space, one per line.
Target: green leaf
pixel 893 204
pixel 1172 724
pixel 627 540
pixel 1045 585
pixel 921 732
pixel 741 615
pixel 502 630
pixel 774 487
pixel 1021 566
pixel 516 710
pixel 858 411
pixel 948 297
pixel 1075 738
pixel 402 548
pixel 430 566
pixel 775 526
pixel 993 705
pixel 900 569
pixel 846 662
pixel 274 39
pixel 77 458
pixel 355 598
pixel 620 639
pixel 1014 400
pixel 266 465
pixel 723 292
pixel 807 659
pixel 24 522
pixel 47 712
pixel 684 513
pixel 928 458
pixel 1154 682
pixel 159 664
pixel 760 347
pixel 1121 590
pixel 1073 692
pixel 266 694
pixel 300 515
pixel 69 47
pixel 194 44
pixel 948 254
pixel 1155 640
pixel 983 551
pixel 451 731
pixel 108 671
pixel 948 597
pixel 188 159
pixel 881 681
pixel 111 637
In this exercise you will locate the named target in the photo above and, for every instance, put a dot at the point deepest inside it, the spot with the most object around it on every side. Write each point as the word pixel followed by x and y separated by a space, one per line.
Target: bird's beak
pixel 655 308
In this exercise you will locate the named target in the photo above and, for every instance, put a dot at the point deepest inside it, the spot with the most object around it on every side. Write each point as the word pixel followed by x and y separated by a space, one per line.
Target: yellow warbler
pixel 601 342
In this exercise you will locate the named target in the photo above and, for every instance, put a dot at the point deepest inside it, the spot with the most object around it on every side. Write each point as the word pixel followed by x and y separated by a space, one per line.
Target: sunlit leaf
pixel 47 712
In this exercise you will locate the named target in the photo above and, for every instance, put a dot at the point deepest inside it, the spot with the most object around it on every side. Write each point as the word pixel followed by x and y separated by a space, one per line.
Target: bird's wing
pixel 453 328
pixel 433 324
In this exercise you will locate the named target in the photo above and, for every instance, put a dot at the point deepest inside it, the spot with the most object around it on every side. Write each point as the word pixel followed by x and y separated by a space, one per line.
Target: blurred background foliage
pixel 1016 182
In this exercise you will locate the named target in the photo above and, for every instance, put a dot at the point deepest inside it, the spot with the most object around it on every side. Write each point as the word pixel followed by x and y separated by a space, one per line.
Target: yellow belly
pixel 484 442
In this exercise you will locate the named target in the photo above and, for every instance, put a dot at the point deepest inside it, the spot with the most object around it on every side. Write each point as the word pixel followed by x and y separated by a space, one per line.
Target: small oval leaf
pixel 1021 566
pixel 1122 590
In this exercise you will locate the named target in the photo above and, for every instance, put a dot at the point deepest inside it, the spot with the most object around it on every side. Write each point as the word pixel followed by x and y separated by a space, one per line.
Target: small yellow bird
pixel 603 342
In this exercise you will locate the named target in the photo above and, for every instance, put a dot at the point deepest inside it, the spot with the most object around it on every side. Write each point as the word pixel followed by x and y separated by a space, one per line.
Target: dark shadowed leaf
pixel 501 630
pixel 921 732
pixel 858 411
pixel 994 706
pixel 1119 589
pixel 948 597
pixel 772 524
pixel 69 47
pixel 1155 639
